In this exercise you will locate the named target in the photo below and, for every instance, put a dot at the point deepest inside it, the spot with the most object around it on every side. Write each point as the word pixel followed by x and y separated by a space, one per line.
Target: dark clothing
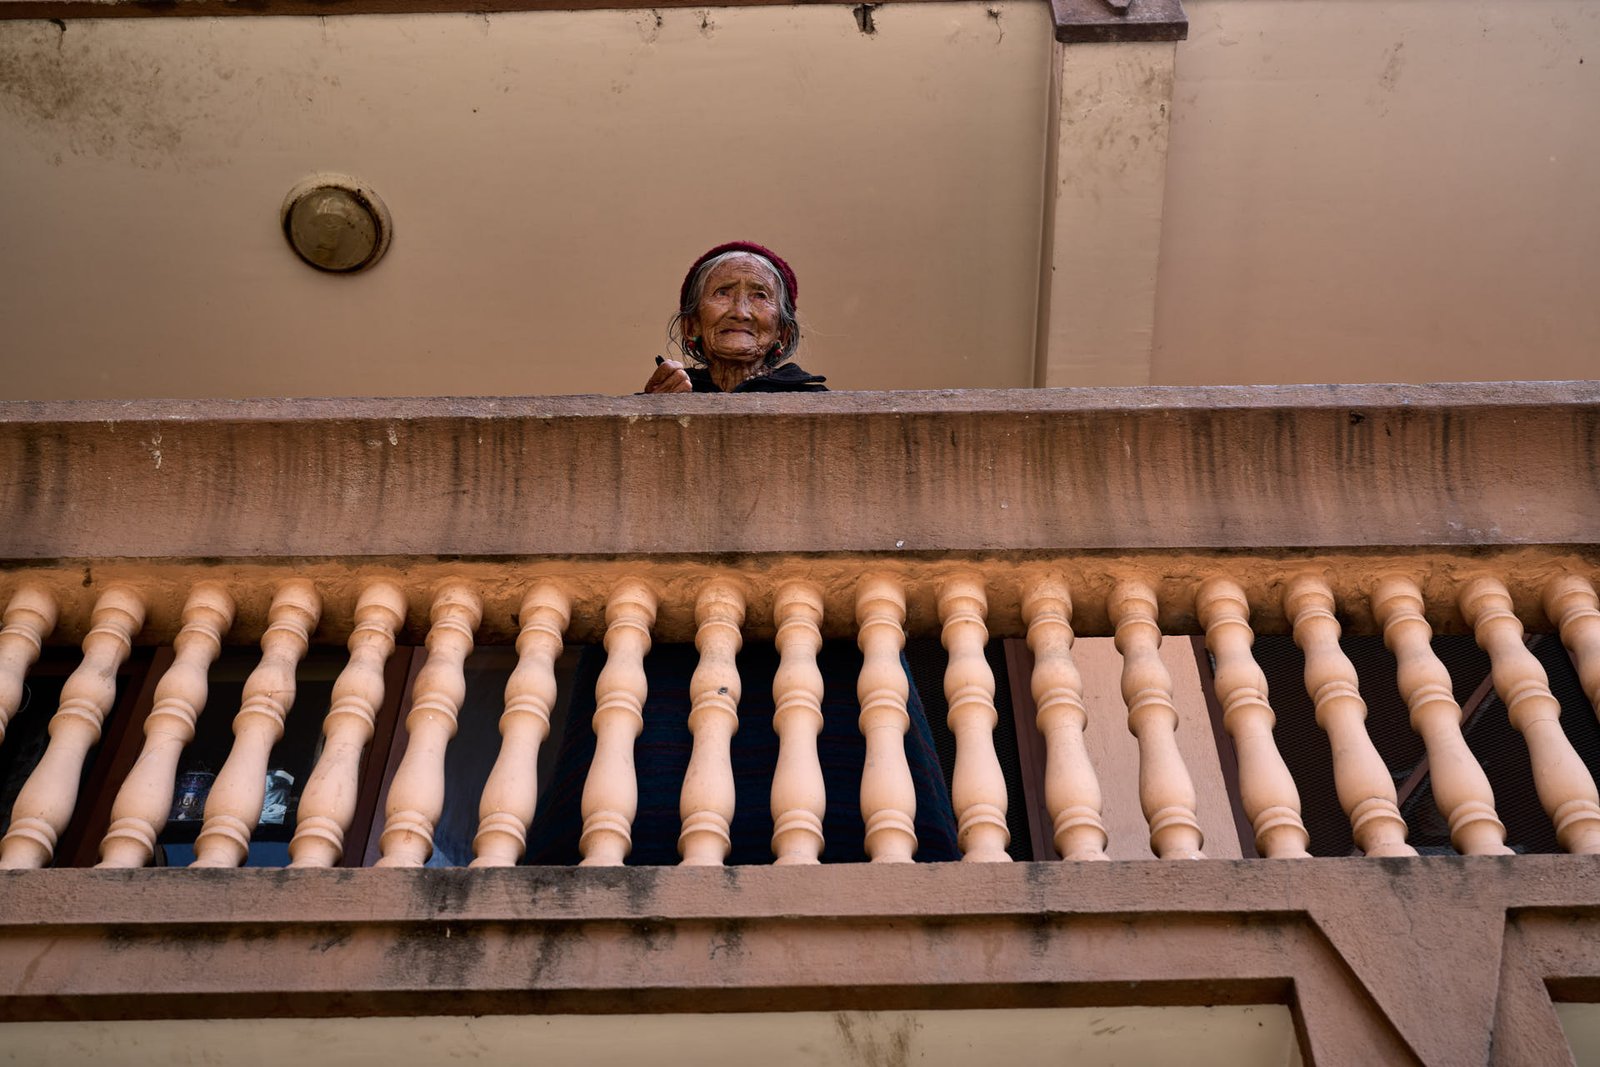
pixel 661 756
pixel 784 378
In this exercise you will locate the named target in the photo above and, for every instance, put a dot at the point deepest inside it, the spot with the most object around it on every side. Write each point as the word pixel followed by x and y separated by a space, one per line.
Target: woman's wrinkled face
pixel 737 320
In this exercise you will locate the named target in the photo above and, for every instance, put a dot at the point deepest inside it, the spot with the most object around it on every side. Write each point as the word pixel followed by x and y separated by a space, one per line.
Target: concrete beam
pixel 1278 468
pixel 1349 944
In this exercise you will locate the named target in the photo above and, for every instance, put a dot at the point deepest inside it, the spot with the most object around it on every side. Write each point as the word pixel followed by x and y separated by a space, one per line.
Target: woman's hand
pixel 669 377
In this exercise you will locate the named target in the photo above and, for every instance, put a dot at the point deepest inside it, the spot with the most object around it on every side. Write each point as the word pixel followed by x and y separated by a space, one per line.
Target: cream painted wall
pixel 1232 1036
pixel 1354 190
pixel 1382 191
pixel 1581 1022
pixel 551 176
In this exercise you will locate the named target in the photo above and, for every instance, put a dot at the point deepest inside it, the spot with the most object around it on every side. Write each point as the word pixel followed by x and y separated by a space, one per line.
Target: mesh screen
pixel 1497 745
pixel 1503 754
pixel 1305 746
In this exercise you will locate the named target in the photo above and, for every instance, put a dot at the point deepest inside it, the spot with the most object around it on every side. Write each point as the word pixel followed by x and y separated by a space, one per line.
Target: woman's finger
pixel 669 377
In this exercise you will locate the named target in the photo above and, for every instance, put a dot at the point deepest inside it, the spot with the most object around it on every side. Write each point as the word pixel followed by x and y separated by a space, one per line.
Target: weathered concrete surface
pixel 1356 947
pixel 1224 468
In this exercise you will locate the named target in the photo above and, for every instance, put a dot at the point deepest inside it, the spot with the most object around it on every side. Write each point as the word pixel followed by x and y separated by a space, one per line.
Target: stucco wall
pixel 1355 191
pixel 1225 1036
pixel 551 176
pixel 1398 191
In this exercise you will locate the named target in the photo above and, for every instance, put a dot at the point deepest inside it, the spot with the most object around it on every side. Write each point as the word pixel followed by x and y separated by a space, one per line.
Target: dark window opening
pixel 928 660
pixel 1498 746
pixel 27 736
pixel 288 767
pixel 469 758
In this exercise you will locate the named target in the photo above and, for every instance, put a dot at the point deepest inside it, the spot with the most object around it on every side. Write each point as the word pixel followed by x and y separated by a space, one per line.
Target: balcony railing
pixel 627 604
pixel 1038 518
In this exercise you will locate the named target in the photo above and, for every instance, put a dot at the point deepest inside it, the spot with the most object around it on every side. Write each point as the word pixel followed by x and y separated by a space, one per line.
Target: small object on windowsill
pixel 275 805
pixel 189 798
pixel 1120 6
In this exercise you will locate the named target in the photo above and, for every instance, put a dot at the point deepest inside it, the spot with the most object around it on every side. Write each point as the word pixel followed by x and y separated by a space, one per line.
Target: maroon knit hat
pixel 744 246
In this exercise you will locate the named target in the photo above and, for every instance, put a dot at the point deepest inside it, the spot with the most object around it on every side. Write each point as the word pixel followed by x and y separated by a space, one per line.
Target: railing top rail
pixel 1085 401
pixel 1289 467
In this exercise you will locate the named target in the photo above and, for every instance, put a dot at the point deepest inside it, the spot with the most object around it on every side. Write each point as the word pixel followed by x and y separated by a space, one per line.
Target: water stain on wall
pixel 1393 66
pixel 1113 121
pixel 77 89
pixel 101 101
pixel 871 1039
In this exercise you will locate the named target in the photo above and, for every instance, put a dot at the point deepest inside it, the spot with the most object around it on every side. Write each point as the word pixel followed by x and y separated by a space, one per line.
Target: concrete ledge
pixel 197 898
pixel 1046 470
pixel 1354 946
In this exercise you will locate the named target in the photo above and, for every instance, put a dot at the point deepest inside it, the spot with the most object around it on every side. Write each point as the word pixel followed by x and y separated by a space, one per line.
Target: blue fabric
pixel 661 756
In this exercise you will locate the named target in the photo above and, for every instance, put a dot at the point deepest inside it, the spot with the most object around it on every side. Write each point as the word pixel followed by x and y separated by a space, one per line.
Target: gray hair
pixel 788 320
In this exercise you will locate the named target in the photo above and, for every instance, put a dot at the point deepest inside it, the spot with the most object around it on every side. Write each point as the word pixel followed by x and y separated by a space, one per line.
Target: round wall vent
pixel 336 223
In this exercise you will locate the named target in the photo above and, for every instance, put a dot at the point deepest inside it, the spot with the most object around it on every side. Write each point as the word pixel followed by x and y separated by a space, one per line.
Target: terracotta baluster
pixel 139 813
pixel 416 794
pixel 30 616
pixel 1460 788
pixel 978 789
pixel 1166 792
pixel 611 792
pixel 512 791
pixel 1266 788
pixel 706 804
pixel 888 796
pixel 233 807
pixel 799 796
pixel 44 806
pixel 1566 789
pixel 328 802
pixel 1071 790
pixel 1361 779
pixel 1571 604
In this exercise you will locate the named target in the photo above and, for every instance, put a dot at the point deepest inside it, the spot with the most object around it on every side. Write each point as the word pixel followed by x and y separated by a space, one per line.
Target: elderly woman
pixel 736 325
